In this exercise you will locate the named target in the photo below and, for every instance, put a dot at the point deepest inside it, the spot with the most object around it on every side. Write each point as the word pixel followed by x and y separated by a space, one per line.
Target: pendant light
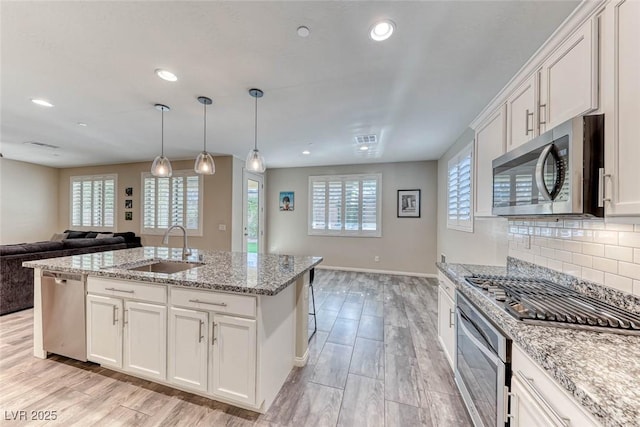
pixel 255 161
pixel 204 162
pixel 161 166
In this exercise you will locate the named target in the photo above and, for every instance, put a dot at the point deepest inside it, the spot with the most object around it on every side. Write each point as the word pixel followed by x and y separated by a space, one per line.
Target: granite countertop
pixel 600 370
pixel 239 272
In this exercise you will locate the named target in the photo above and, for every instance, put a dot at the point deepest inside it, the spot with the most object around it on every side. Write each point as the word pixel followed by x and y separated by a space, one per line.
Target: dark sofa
pixel 16 281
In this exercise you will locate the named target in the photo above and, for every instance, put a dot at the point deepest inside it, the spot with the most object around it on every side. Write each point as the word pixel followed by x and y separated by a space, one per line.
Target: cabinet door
pixel 570 77
pixel 188 348
pixel 234 358
pixel 489 144
pixel 104 330
pixel 446 324
pixel 521 114
pixel 621 90
pixel 529 410
pixel 145 339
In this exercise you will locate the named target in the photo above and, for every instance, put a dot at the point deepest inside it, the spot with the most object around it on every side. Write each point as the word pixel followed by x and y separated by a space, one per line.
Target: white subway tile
pixel 618 282
pixel 595 249
pixel 563 255
pixel 540 260
pixel 593 275
pixel 555 243
pixel 554 264
pixel 572 269
pixel 564 233
pixel 535 250
pixel 530 231
pixel 582 260
pixel 605 264
pixel 523 230
pixel 572 246
pixel 571 223
pixel 513 229
pixel 513 244
pixel 593 225
pixel 637 227
pixel 582 235
pixel 536 231
pixel 618 252
pixel 636 256
pixel 618 227
pixel 546 231
pixel 540 241
pixel 636 287
pixel 605 237
pixel 548 252
pixel 628 269
pixel 555 224
pixel 629 239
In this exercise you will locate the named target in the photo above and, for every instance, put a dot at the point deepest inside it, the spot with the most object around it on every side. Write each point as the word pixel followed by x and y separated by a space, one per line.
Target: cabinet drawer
pixel 125 289
pixel 214 301
pixel 447 285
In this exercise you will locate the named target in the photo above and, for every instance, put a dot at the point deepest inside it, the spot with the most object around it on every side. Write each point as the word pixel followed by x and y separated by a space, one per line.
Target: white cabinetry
pixel 188 348
pixel 234 358
pixel 538 401
pixel 489 144
pixel 104 330
pixel 145 339
pixel 522 114
pixel 446 317
pixel 621 97
pixel 569 78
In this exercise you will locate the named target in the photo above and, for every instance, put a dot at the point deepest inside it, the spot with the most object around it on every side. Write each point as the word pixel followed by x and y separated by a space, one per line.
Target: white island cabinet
pixel 446 318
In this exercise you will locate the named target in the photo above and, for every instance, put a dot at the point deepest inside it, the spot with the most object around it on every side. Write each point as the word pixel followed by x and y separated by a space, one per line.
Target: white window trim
pixel 466 226
pixel 160 231
pixel 115 202
pixel 346 233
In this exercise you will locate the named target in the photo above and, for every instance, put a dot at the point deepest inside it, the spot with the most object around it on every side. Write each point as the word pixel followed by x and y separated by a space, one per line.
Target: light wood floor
pixel 375 361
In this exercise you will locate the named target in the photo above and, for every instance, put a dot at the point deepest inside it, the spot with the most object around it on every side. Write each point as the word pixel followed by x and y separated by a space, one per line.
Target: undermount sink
pixel 167 267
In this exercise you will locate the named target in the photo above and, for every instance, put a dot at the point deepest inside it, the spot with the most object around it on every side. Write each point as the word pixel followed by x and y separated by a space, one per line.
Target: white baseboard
pixel 369 270
pixel 301 361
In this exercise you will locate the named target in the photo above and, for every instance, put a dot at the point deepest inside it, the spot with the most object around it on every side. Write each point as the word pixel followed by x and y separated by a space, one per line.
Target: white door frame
pixel 261 232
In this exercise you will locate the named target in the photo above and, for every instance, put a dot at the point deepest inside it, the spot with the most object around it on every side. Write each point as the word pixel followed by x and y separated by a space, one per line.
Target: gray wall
pixel 488 243
pixel 407 244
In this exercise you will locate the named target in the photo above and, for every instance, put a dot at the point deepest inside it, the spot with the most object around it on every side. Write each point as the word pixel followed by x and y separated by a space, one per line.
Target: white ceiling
pixel 95 61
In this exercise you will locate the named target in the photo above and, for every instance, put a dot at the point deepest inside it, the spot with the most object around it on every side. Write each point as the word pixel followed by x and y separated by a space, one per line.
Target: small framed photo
pixel 408 203
pixel 128 204
pixel 128 191
pixel 286 200
pixel 128 216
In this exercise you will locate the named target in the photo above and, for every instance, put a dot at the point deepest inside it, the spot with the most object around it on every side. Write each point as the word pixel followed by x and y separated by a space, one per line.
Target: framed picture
pixel 286 200
pixel 128 204
pixel 408 203
pixel 128 191
pixel 128 216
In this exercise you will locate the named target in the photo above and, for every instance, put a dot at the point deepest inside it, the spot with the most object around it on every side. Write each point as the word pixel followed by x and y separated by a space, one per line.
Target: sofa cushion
pixel 12 249
pixel 129 236
pixel 91 235
pixel 104 235
pixel 42 246
pixel 59 237
pixel 76 234
pixel 83 243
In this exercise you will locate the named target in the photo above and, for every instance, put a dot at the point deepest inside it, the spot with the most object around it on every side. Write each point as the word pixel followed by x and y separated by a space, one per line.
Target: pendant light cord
pixel 204 105
pixel 256 127
pixel 162 133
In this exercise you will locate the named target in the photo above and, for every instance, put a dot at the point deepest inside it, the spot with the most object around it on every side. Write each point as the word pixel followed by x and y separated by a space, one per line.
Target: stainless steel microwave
pixel 559 173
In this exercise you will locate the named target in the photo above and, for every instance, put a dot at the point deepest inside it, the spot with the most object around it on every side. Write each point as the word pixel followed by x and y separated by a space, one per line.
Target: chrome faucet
pixel 185 249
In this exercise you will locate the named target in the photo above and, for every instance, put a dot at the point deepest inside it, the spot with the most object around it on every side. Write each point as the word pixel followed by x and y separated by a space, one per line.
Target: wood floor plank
pixel 363 403
pixel 400 415
pixel 373 307
pixel 315 346
pixel 398 341
pixel 368 358
pixel 402 379
pixel 122 416
pixel 371 327
pixel 448 410
pixel 319 406
pixel 344 331
pixel 351 310
pixel 333 365
pixel 326 319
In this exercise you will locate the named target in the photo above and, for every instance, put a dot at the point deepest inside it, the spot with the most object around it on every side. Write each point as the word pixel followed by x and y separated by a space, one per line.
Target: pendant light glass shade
pixel 204 162
pixel 255 160
pixel 161 166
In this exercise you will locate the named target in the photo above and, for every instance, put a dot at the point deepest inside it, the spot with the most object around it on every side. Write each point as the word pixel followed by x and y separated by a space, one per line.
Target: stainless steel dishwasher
pixel 63 314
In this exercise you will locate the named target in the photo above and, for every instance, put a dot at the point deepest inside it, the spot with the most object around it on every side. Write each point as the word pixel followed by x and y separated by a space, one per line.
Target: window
pixel 93 202
pixel 346 205
pixel 459 186
pixel 172 201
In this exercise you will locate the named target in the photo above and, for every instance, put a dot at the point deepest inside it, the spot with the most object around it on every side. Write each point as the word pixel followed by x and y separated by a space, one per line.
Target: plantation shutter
pixel 460 191
pixel 93 201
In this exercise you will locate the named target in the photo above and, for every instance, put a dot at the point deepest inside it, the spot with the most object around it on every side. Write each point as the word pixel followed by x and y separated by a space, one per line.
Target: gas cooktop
pixel 543 302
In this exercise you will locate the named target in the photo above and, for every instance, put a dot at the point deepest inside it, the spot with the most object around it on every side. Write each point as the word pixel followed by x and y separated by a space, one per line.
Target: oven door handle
pixel 495 359
pixel 542 186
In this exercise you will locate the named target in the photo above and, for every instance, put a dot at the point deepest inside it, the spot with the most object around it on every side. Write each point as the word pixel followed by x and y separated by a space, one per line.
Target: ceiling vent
pixel 42 145
pixel 366 139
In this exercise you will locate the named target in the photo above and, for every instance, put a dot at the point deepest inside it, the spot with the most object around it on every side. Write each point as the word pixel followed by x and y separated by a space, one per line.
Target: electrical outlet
pixel 376 258
pixel 222 227
pixel 443 258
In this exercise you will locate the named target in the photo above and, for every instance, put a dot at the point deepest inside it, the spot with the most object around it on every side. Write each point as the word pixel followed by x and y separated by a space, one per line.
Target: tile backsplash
pixel 604 253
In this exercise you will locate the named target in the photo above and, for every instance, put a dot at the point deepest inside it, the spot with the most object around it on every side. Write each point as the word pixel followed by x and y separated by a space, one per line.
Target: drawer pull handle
pixel 220 304
pixel 213 333
pixel 200 337
pixel 528 383
pixel 118 290
pixel 115 314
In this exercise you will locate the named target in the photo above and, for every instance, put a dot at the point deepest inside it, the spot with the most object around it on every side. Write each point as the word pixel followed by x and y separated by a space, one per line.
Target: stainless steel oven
pixel 483 365
pixel 558 173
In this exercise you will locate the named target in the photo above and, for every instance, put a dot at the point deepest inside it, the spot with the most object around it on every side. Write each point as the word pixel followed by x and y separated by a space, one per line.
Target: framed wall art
pixel 286 200
pixel 408 203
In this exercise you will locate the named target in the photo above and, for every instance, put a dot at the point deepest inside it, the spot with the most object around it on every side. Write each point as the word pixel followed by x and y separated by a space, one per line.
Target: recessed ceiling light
pixel 303 31
pixel 364 147
pixel 306 152
pixel 41 102
pixel 166 75
pixel 82 124
pixel 382 30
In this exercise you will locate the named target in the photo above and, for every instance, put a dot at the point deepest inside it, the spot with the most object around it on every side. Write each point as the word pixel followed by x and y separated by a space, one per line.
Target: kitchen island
pixel 226 325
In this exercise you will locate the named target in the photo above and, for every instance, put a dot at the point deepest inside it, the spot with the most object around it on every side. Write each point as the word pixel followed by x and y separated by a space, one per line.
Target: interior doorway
pixel 253 213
